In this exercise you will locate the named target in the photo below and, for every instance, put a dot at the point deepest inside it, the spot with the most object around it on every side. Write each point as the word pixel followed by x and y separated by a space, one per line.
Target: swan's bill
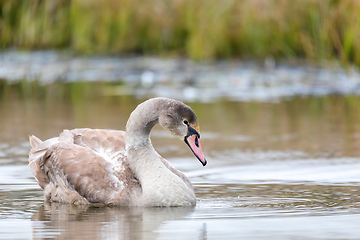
pixel 193 142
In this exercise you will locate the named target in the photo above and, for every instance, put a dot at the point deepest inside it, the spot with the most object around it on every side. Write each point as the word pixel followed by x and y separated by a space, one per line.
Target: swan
pixel 116 168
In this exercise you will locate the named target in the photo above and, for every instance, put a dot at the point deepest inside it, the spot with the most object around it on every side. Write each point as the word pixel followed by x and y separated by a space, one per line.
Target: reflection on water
pixel 327 125
pixel 286 170
pixel 102 223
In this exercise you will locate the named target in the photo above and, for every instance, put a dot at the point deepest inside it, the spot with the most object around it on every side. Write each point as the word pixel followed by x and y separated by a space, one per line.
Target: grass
pixel 205 29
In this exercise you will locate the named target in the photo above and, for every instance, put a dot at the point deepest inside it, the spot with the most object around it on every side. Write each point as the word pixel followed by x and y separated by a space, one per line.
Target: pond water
pixel 277 170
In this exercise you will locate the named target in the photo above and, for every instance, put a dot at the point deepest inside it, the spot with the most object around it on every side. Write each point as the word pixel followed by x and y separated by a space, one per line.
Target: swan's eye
pixel 185 122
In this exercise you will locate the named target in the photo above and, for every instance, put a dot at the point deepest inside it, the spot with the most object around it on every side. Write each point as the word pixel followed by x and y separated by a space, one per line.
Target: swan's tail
pixel 34 141
pixel 38 149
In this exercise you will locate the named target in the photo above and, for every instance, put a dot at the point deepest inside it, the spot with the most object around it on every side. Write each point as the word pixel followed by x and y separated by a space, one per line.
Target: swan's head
pixel 181 121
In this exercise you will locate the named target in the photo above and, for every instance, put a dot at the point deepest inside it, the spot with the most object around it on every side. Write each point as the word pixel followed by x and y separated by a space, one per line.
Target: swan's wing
pixel 82 162
pixel 79 168
pixel 109 144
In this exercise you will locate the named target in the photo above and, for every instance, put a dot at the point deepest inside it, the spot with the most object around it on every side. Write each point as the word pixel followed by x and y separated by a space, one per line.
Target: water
pixel 279 199
pixel 181 78
pixel 276 170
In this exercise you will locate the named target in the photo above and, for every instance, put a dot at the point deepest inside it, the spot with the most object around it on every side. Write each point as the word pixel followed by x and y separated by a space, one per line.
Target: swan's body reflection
pixel 64 221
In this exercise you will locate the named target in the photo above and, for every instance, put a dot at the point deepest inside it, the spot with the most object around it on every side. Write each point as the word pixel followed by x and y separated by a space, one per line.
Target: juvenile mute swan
pixel 108 167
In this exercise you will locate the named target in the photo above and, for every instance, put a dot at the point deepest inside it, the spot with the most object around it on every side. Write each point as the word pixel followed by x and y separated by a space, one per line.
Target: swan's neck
pixel 160 186
pixel 140 123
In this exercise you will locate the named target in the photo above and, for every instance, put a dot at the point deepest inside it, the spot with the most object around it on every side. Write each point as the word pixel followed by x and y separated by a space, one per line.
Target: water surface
pixel 284 170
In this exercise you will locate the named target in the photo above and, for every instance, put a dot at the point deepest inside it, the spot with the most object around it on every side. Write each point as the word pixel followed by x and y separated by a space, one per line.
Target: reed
pixel 205 29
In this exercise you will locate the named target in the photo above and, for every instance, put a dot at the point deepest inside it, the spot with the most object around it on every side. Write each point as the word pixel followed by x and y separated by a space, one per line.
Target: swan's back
pixel 84 166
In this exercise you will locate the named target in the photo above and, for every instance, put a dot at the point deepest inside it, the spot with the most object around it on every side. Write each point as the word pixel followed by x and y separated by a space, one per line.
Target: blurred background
pixel 275 85
pixel 311 29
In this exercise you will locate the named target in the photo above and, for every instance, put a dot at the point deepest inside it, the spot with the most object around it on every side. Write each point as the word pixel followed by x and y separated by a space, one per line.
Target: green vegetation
pixel 204 29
